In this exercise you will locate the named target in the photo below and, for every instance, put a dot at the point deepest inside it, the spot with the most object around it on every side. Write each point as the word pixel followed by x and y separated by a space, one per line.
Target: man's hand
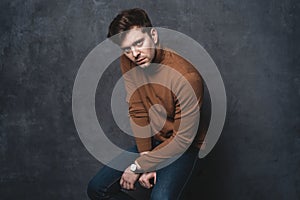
pixel 145 179
pixel 128 179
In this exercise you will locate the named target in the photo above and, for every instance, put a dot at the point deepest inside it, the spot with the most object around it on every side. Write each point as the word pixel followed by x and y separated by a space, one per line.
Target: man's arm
pixel 186 123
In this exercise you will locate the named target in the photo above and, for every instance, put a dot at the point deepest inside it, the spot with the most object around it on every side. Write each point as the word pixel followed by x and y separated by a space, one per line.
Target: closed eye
pixel 139 43
pixel 126 50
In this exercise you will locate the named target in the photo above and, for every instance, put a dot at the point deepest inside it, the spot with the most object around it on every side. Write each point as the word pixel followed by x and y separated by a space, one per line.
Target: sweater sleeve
pixel 187 115
pixel 137 113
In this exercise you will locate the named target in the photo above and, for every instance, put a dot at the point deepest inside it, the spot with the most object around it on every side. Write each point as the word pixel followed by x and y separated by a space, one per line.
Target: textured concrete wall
pixel 254 43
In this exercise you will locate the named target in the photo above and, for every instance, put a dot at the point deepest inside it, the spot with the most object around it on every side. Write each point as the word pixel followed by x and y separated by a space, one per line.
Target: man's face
pixel 139 46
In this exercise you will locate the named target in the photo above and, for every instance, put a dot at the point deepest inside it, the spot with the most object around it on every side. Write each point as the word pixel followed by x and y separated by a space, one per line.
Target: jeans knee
pixel 91 190
pixel 95 192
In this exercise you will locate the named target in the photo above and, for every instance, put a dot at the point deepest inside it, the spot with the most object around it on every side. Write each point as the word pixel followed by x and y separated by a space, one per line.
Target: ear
pixel 154 35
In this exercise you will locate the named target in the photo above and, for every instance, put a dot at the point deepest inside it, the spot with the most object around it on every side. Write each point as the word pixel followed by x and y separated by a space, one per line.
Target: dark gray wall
pixel 254 44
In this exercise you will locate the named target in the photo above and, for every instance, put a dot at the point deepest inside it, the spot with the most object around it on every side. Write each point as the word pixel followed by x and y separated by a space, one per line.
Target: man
pixel 167 105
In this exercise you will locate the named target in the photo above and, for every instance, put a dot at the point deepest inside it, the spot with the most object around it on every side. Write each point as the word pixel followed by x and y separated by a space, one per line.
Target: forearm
pixel 171 149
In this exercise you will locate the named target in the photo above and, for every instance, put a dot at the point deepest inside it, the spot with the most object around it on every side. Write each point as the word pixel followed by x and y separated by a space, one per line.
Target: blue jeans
pixel 170 180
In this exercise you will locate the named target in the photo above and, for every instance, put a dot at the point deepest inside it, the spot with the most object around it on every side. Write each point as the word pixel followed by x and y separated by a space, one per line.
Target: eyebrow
pixel 134 43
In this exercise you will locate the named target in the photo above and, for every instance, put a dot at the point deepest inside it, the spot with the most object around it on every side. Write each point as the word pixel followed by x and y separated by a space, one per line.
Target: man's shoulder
pixel 176 61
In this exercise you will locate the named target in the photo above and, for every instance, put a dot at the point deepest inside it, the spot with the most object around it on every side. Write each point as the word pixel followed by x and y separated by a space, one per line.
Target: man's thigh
pixel 171 180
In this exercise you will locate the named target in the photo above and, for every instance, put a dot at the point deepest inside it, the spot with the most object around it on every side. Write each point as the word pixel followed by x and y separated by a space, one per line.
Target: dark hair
pixel 126 20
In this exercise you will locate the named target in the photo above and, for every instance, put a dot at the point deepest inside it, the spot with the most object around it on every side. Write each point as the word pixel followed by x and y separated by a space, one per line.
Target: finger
pixel 142 179
pixel 147 183
pixel 154 178
pixel 126 185
pixel 121 182
pixel 143 183
pixel 131 186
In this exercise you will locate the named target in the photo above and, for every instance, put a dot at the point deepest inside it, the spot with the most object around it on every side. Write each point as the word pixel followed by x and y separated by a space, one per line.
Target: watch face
pixel 133 167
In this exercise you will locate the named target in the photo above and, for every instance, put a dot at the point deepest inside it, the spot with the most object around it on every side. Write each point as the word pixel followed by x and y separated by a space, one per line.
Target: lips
pixel 140 61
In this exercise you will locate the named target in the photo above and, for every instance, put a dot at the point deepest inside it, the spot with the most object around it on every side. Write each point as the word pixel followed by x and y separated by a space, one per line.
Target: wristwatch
pixel 133 168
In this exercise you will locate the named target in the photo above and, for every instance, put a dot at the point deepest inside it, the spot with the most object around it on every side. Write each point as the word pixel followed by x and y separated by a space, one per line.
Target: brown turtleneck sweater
pixel 164 102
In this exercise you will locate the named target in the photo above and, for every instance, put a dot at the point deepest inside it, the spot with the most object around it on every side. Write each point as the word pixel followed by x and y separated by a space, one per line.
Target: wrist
pixel 135 167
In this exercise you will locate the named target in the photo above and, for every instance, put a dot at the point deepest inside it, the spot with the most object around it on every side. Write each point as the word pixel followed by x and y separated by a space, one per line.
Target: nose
pixel 135 52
